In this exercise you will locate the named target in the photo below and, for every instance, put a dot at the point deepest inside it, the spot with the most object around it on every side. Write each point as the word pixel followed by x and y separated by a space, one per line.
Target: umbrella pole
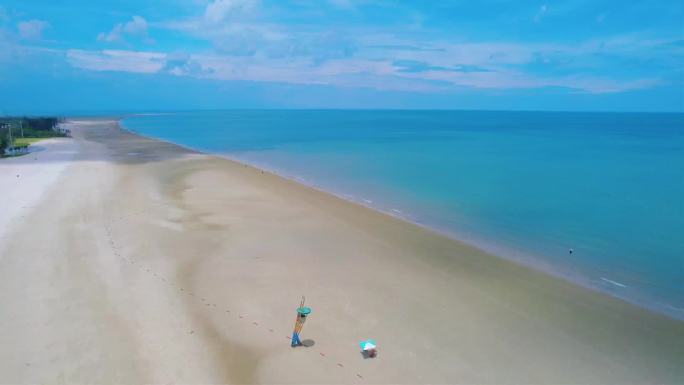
pixel 299 324
pixel 295 333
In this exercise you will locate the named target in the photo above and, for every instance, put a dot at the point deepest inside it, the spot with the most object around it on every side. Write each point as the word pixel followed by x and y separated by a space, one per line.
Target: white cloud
pixel 222 10
pixel 32 29
pixel 514 79
pixel 342 72
pixel 177 63
pixel 181 63
pixel 136 27
pixel 115 60
pixel 542 11
pixel 247 47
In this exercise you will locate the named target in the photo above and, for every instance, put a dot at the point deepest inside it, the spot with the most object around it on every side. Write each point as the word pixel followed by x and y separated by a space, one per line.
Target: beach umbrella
pixel 304 310
pixel 302 313
pixel 368 344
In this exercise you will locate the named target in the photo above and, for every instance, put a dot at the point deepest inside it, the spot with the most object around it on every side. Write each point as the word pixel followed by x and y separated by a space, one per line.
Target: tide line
pixel 613 282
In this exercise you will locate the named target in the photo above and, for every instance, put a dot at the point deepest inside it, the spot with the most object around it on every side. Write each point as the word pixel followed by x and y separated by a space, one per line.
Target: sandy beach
pixel 129 260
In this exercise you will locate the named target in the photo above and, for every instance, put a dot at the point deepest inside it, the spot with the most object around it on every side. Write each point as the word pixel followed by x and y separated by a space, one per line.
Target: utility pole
pixel 21 127
pixel 11 142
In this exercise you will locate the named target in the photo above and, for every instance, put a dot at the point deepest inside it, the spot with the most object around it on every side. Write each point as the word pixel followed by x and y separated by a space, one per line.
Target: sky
pixel 84 56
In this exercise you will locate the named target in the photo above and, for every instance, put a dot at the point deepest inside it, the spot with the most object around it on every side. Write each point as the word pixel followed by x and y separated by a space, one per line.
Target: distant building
pixel 62 130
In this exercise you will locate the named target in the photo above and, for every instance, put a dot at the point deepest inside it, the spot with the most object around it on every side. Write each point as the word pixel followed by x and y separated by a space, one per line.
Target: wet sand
pixel 145 262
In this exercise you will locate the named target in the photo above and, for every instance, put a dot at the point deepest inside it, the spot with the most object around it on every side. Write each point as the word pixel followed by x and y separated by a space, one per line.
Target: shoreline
pixel 157 264
pixel 523 258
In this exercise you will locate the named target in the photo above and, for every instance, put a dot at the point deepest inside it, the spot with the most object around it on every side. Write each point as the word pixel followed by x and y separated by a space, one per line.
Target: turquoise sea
pixel 529 186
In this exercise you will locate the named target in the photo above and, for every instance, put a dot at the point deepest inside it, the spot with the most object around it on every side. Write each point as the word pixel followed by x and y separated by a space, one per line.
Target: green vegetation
pixel 25 131
pixel 27 141
pixel 4 140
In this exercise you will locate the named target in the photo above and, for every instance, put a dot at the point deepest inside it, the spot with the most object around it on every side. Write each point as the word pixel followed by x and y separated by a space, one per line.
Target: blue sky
pixel 147 55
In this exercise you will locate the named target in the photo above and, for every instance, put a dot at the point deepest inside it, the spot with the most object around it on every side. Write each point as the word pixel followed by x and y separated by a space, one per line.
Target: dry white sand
pixel 144 262
pixel 25 179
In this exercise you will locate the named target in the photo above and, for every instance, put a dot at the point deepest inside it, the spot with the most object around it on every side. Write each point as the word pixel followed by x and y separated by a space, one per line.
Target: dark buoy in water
pixel 570 250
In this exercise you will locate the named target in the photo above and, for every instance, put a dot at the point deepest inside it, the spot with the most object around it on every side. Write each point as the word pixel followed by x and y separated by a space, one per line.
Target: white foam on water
pixel 478 240
pixel 613 282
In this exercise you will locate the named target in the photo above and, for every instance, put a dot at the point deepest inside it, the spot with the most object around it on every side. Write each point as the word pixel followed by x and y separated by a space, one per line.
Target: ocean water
pixel 528 186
